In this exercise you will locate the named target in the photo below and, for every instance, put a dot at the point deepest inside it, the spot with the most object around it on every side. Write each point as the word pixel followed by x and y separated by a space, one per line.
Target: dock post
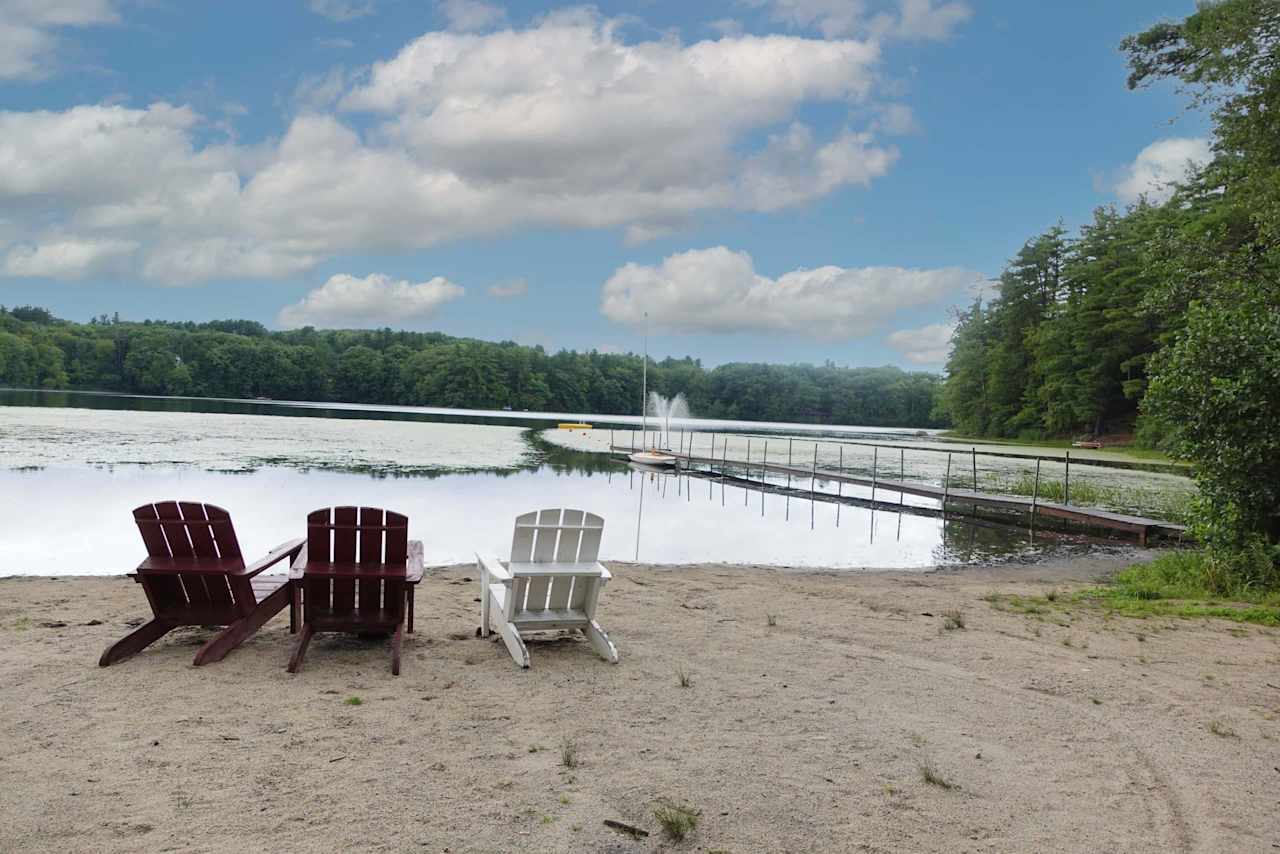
pixel 813 487
pixel 633 441
pixel 813 478
pixel 610 440
pixel 902 476
pixel 1066 482
pixel 840 480
pixel 724 460
pixel 764 474
pixel 946 485
pixel 875 464
pixel 840 485
pixel 1035 495
pixel 790 442
pixel 975 469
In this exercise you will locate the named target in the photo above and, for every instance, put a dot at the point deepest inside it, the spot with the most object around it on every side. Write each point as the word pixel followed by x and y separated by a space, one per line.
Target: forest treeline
pixel 243 359
pixel 1162 316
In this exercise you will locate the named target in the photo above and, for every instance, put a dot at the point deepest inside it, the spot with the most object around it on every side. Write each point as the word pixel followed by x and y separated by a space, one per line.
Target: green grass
pixel 677 821
pixel 1187 583
pixel 353 700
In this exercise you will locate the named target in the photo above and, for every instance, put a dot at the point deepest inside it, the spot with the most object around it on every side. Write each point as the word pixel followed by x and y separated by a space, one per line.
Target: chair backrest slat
pixel 201 537
pixel 224 534
pixel 397 531
pixel 319 534
pixel 581 589
pixel 371 535
pixel 592 531
pixel 536 598
pixel 570 536
pixel 558 595
pixel 175 532
pixel 344 535
pixel 522 539
pixel 149 527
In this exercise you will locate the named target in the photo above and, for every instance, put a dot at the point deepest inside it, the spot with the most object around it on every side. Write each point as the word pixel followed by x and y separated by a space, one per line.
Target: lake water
pixel 72 467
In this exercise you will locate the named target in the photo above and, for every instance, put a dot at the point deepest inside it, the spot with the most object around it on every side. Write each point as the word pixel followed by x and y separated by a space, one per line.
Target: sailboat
pixel 651 457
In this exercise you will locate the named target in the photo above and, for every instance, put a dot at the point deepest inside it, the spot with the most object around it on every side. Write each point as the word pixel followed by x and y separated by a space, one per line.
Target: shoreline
pixel 1070 731
pixel 1101 560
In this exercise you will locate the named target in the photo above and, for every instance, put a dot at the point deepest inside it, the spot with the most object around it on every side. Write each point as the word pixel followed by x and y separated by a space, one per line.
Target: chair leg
pixel 409 594
pixel 395 649
pixel 136 641
pixel 600 642
pixel 515 643
pixel 241 630
pixel 304 638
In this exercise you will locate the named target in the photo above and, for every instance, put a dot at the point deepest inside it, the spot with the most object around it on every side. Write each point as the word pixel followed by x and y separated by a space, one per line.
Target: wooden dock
pixel 1097 517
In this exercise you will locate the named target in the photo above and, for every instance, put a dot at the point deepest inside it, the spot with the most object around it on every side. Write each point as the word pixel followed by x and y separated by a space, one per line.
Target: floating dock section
pixel 1096 517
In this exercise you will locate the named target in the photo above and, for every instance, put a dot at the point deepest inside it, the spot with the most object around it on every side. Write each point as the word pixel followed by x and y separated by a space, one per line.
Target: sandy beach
pixel 1059 732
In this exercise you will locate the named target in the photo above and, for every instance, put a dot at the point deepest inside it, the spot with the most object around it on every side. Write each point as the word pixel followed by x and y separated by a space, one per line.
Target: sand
pixel 810 735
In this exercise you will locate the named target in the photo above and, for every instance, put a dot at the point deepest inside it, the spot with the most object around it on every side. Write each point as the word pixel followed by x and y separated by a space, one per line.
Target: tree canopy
pixel 241 358
pixel 1164 317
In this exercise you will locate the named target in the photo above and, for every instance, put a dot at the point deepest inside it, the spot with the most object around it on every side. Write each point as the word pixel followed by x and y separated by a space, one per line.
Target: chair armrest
pixel 605 574
pixel 413 564
pixel 299 565
pixel 286 550
pixel 495 569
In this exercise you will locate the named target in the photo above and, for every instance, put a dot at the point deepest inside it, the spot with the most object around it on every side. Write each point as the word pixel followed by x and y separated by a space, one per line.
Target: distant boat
pixel 1092 445
pixel 652 458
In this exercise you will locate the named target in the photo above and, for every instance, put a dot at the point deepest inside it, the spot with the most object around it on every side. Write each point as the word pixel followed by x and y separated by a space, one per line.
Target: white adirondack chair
pixel 552 581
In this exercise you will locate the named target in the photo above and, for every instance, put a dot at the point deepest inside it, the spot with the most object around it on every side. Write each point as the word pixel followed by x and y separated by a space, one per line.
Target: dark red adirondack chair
pixel 357 573
pixel 196 576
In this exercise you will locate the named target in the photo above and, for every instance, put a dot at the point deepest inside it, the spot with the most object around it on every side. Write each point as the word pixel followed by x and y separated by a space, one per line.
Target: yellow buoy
pixel 572 426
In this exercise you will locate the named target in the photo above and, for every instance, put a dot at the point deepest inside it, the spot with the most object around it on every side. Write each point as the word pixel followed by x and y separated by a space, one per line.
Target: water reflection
pixel 84 526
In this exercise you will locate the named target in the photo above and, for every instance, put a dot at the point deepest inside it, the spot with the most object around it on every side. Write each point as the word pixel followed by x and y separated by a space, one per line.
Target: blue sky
pixel 778 180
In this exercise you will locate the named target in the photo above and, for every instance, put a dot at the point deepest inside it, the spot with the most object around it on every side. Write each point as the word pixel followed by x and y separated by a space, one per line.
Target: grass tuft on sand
pixel 677 821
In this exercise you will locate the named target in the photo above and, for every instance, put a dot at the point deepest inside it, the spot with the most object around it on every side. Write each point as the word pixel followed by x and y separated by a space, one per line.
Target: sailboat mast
pixel 644 384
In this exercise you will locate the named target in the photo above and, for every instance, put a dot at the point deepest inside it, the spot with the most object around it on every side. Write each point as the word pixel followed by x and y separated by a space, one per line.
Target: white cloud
pixel 341 10
pixel 927 345
pixel 28 31
pixel 69 259
pixel 348 302
pixel 1160 166
pixel 933 20
pixel 509 289
pixel 471 15
pixel 909 20
pixel 563 125
pixel 718 290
